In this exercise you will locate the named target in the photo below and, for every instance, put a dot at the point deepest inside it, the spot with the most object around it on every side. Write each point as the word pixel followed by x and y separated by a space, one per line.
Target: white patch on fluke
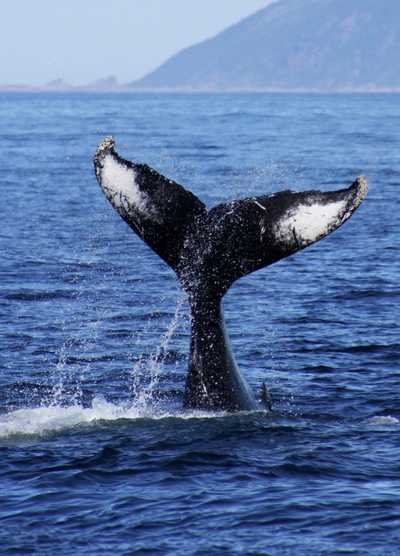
pixel 120 186
pixel 308 223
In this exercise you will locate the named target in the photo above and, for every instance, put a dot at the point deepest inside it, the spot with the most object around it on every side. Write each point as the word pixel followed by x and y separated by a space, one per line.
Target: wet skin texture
pixel 210 250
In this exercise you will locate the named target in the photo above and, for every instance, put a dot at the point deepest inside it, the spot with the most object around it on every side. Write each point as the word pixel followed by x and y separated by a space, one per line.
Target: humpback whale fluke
pixel 211 249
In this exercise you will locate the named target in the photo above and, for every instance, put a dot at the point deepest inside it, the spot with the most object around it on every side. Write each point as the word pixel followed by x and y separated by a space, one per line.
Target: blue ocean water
pixel 96 454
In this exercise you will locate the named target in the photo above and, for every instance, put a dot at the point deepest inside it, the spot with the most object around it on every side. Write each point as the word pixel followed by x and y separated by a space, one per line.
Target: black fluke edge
pixel 210 249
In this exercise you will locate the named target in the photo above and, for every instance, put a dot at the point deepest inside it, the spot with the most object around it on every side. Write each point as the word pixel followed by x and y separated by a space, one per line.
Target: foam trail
pixel 44 420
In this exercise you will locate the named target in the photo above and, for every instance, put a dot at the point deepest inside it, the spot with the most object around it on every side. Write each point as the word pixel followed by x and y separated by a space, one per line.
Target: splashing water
pixel 56 415
pixel 144 395
pixel 54 418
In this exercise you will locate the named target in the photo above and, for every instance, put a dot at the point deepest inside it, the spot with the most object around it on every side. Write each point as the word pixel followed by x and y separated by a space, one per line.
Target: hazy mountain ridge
pixel 292 45
pixel 106 84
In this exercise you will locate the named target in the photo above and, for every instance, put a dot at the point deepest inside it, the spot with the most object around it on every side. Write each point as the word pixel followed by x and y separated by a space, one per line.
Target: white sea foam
pixel 384 420
pixel 55 418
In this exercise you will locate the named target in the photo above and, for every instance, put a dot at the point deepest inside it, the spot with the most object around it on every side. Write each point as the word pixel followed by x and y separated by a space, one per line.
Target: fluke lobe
pixel 210 249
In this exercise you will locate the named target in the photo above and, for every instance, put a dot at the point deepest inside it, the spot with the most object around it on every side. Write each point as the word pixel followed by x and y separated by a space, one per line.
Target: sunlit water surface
pixel 97 456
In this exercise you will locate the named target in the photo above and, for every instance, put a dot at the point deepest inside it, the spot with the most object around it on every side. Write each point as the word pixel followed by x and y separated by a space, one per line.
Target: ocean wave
pixel 383 420
pixel 40 295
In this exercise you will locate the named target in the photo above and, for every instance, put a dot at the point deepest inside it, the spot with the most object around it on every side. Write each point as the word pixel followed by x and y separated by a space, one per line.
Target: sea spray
pixel 52 419
pixel 150 369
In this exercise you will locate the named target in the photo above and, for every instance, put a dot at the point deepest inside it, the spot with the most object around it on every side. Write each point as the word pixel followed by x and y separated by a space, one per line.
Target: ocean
pixel 97 455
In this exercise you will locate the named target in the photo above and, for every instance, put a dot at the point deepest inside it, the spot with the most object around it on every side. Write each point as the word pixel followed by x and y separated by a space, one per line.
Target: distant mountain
pixel 109 83
pixel 57 85
pixel 291 45
pixel 106 84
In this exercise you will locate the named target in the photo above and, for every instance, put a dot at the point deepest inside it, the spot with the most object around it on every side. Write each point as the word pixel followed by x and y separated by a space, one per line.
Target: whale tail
pixel 211 249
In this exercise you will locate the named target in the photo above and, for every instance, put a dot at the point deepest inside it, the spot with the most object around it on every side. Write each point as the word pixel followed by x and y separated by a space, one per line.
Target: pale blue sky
pixel 84 40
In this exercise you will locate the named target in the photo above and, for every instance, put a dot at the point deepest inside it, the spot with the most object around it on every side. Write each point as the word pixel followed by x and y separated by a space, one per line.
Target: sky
pixel 84 40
